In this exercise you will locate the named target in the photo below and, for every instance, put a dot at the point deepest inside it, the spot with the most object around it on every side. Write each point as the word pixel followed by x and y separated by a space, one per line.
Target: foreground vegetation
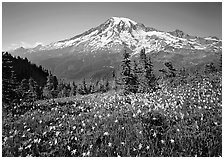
pixel 185 120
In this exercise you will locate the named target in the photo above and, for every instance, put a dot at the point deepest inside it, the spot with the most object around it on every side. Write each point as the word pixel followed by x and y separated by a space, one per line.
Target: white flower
pixel 35 140
pixel 178 130
pixel 140 146
pixel 172 141
pixel 154 134
pixel 73 152
pixel 73 127
pixel 109 144
pixel 55 141
pixel 147 147
pixel 57 133
pixel 116 121
pixel 20 148
pixel 106 134
pixel 162 141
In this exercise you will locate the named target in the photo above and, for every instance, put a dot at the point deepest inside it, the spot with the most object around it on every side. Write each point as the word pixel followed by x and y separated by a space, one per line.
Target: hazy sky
pixel 28 24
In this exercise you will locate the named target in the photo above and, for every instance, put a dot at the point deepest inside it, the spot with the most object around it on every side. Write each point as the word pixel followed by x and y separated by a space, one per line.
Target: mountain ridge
pixel 110 38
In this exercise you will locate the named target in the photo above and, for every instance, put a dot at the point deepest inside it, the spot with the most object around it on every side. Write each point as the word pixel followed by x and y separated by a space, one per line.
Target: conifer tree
pixel 147 79
pixel 50 90
pixel 73 89
pixel 134 81
pixel 9 81
pixel 126 75
pixel 32 89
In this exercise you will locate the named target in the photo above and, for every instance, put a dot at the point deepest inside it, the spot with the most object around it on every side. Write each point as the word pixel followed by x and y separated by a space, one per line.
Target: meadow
pixel 185 120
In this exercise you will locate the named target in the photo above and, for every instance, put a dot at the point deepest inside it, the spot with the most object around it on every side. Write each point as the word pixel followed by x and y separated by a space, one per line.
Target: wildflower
pixel 20 148
pixel 73 127
pixel 73 152
pixel 28 146
pixel 154 134
pixel 122 143
pixel 35 140
pixel 57 133
pixel 162 141
pixel 106 134
pixel 172 141
pixel 140 146
pixel 109 144
pixel 147 147
pixel 116 121
pixel 69 148
pixel 178 129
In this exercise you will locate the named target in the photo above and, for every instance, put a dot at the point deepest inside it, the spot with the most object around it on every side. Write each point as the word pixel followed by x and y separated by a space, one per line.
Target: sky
pixel 28 24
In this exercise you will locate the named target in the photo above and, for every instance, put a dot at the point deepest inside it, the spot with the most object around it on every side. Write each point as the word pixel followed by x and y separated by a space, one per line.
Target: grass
pixel 181 121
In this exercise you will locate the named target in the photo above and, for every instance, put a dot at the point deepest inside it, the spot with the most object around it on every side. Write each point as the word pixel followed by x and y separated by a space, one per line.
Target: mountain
pixel 98 51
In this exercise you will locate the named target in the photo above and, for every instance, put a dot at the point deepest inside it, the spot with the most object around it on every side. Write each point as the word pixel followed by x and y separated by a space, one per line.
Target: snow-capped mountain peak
pixel 117 20
pixel 119 32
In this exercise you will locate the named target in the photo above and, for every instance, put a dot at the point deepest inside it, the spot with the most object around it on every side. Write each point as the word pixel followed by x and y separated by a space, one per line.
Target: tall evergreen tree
pixel 32 89
pixel 73 89
pixel 50 90
pixel 147 79
pixel 9 81
pixel 126 74
pixel 134 81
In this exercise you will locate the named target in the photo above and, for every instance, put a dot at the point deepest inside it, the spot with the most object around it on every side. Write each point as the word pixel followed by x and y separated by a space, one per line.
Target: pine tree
pixel 126 75
pixel 24 90
pixel 135 81
pixel 73 89
pixel 50 90
pixel 9 80
pixel 147 79
pixel 32 89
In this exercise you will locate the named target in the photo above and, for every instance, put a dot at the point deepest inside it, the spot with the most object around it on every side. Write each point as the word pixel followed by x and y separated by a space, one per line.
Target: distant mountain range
pixel 98 51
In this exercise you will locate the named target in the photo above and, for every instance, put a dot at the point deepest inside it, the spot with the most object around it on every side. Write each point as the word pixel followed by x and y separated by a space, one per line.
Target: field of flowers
pixel 181 121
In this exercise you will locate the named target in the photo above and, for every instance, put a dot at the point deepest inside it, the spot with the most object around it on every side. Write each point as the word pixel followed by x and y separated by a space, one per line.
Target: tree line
pixel 26 82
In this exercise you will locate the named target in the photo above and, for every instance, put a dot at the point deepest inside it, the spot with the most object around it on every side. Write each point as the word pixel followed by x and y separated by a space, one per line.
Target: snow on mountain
pixel 118 32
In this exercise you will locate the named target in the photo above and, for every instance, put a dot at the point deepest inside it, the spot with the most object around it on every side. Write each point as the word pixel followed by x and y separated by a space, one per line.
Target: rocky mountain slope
pixel 100 49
